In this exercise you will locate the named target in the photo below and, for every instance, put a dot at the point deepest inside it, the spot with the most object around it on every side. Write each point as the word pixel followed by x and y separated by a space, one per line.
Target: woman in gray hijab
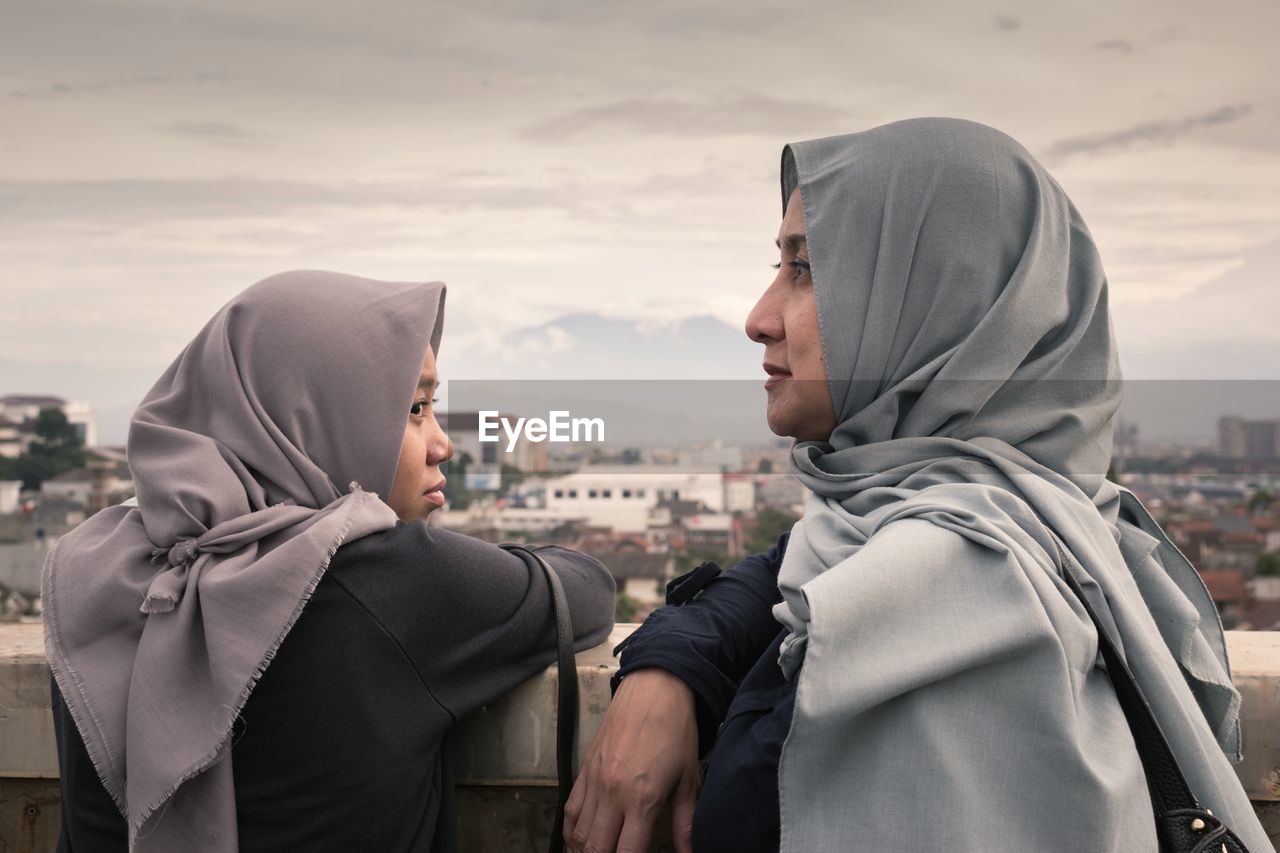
pixel 938 342
pixel 263 653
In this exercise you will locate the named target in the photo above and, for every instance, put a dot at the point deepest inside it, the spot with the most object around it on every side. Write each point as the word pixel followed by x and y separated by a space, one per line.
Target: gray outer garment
pixel 260 451
pixel 950 697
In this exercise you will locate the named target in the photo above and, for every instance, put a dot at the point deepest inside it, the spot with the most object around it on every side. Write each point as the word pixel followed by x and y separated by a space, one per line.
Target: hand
pixel 644 755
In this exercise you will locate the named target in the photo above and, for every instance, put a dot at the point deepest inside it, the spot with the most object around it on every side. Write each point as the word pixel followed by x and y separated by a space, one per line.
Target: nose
pixel 439 446
pixel 764 323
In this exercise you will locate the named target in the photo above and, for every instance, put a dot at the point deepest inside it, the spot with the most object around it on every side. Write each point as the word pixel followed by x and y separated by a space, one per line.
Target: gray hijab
pixel 260 451
pixel 943 665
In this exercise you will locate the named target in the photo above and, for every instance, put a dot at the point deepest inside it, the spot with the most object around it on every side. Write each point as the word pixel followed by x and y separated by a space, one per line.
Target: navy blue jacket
pixel 722 640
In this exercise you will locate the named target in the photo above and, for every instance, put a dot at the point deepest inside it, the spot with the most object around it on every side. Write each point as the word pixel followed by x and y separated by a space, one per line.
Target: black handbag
pixel 1182 824
pixel 567 697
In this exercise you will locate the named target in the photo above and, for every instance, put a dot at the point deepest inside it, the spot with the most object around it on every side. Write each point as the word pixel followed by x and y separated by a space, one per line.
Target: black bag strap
pixel 1182 824
pixel 567 698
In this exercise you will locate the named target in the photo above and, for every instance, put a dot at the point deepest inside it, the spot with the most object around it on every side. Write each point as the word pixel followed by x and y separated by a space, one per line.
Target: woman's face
pixel 785 320
pixel 417 488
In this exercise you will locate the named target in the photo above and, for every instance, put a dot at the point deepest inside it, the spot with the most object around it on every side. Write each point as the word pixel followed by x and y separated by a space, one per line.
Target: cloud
pixel 746 114
pixel 1121 46
pixel 1008 23
pixel 215 132
pixel 57 90
pixel 146 200
pixel 1148 133
pixel 1224 329
pixel 66 203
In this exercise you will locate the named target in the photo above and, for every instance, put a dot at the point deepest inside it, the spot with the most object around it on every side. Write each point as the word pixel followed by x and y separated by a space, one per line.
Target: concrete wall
pixel 20 565
pixel 504 756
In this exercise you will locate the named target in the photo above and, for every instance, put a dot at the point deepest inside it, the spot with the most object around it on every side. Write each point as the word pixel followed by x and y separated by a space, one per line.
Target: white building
pixel 13 441
pixel 621 496
pixel 10 492
pixel 22 407
pixel 739 492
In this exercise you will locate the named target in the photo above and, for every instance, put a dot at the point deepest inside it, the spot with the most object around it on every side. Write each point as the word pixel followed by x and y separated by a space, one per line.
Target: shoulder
pixel 410 544
pixel 404 559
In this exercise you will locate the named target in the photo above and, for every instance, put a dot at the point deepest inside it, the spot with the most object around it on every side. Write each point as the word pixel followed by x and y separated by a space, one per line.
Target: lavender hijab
pixel 260 451
pixel 948 693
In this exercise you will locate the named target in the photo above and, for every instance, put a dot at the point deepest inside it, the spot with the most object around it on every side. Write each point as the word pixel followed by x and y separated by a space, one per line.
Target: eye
pixel 416 410
pixel 798 268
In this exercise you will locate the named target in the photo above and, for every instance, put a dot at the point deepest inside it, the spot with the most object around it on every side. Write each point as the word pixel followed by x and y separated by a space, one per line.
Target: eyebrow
pixel 793 242
pixel 428 382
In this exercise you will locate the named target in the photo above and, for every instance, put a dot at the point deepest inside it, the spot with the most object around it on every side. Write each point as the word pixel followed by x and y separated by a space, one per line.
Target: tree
pixel 770 523
pixel 625 608
pixel 511 475
pixel 455 487
pixel 57 449
pixel 1261 500
pixel 765 466
pixel 1268 564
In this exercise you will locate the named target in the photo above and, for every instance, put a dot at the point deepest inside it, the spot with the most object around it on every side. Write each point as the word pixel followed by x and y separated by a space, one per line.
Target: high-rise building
pixel 1252 441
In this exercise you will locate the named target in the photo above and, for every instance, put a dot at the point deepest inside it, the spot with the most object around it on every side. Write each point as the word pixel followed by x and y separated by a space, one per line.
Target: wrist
pixel 658 680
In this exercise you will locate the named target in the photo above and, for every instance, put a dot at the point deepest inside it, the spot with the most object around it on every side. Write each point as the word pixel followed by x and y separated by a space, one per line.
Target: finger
pixel 576 836
pixel 637 830
pixel 573 805
pixel 604 828
pixel 682 805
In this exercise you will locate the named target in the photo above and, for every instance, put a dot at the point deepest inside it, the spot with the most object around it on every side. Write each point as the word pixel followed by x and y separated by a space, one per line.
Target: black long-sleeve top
pixel 723 642
pixel 339 746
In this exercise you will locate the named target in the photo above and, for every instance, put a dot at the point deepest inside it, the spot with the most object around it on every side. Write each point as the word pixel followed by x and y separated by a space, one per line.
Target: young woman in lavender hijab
pixel 908 670
pixel 266 652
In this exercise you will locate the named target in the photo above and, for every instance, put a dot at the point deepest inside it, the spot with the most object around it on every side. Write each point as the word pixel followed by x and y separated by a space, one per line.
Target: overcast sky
pixel 549 158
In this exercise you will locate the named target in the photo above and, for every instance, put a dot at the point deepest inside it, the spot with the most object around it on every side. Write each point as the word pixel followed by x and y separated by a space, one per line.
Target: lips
pixel 777 375
pixel 435 494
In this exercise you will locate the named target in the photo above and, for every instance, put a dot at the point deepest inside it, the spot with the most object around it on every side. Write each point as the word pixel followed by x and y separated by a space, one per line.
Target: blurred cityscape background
pixel 655 510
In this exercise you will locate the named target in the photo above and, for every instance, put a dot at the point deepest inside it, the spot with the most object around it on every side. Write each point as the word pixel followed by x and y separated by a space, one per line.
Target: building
pixel 13 440
pixel 10 493
pixel 104 481
pixel 621 496
pixel 1229 593
pixel 640 575
pixel 1231 437
pixel 739 493
pixel 1251 441
pixel 713 531
pixel 20 409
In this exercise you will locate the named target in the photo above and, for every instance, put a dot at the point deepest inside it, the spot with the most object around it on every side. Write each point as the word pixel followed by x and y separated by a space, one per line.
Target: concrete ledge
pixel 504 755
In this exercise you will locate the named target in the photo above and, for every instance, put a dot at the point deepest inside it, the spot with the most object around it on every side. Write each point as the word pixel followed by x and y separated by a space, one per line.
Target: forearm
pixel 712 641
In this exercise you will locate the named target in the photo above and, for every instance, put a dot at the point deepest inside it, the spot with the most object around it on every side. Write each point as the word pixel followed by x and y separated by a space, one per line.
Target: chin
pixel 782 421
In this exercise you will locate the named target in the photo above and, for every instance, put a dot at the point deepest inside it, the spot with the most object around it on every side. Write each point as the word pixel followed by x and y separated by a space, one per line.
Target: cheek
pixel 410 453
pixel 805 341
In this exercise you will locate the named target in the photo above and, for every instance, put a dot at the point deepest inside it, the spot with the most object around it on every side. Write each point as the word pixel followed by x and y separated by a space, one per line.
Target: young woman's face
pixel 785 320
pixel 417 489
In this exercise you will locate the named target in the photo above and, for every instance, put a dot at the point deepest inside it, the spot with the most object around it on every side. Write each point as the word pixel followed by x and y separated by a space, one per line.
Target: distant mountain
pixel 1176 398
pixel 573 346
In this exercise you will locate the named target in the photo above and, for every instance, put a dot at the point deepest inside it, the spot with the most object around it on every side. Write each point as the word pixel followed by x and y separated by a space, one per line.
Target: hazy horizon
pixel 550 162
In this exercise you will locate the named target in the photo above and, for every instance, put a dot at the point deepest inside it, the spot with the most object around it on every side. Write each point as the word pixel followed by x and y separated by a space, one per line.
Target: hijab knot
pixel 181 554
pixel 167 587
